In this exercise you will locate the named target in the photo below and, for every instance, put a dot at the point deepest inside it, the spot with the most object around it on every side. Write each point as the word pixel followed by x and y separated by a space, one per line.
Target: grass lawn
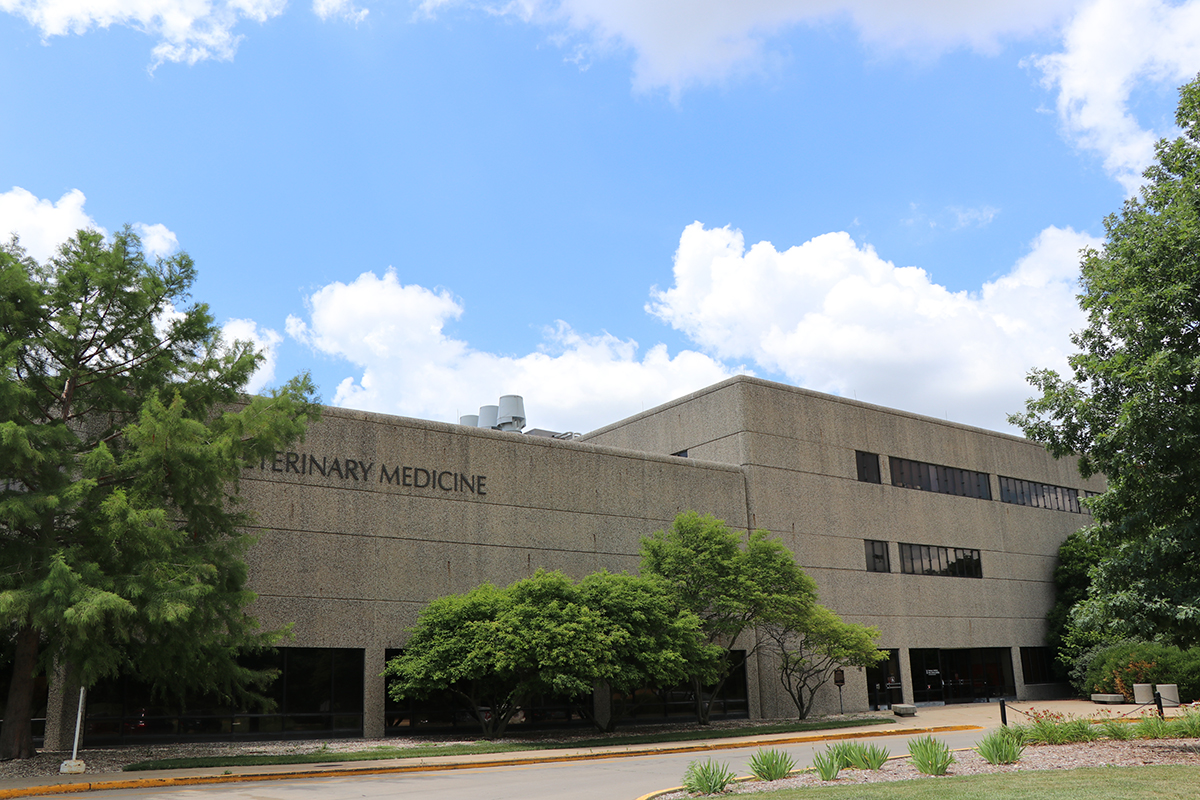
pixel 1094 783
pixel 482 747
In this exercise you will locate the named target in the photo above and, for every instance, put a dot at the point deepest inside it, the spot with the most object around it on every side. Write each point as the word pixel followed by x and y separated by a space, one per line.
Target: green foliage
pixel 844 751
pixel 1115 668
pixel 123 434
pixel 730 587
pixel 709 777
pixel 827 764
pixel 810 646
pixel 771 765
pixel 1152 726
pixel 1077 556
pixel 1048 727
pixel 1131 409
pixel 1117 730
pixel 1186 725
pixel 1001 746
pixel 866 756
pixel 931 756
pixel 546 635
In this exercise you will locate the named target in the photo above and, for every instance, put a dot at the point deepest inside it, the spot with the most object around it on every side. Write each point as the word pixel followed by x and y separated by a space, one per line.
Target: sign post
pixel 839 679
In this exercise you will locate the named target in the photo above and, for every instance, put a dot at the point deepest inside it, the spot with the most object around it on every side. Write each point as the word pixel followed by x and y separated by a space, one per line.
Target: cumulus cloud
pixel 157 239
pixel 1110 49
pixel 679 42
pixel 339 9
pixel 394 334
pixel 833 316
pixel 187 30
pixel 265 340
pixel 42 225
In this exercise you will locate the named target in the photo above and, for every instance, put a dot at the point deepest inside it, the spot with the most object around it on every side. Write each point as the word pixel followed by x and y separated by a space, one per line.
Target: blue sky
pixel 602 205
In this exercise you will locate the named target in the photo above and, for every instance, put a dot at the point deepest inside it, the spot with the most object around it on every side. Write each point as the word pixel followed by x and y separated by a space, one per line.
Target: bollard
pixel 1158 705
pixel 1003 713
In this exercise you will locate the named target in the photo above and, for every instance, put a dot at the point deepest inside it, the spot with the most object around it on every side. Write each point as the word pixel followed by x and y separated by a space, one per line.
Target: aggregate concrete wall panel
pixel 689 422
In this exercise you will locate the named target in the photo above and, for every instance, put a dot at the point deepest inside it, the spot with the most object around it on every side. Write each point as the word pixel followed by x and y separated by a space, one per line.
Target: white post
pixel 75 766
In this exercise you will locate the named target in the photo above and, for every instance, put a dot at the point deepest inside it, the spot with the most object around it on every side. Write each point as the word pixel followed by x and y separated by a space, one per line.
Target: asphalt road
pixel 608 779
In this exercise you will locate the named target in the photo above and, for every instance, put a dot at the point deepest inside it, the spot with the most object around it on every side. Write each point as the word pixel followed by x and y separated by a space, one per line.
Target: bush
pixel 931 757
pixel 1116 729
pixel 845 753
pixel 1001 746
pixel 771 765
pixel 707 778
pixel 828 764
pixel 869 757
pixel 1152 726
pixel 1186 725
pixel 1114 669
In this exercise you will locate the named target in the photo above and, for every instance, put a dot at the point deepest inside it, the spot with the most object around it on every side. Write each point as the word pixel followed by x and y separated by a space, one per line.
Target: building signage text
pixel 354 469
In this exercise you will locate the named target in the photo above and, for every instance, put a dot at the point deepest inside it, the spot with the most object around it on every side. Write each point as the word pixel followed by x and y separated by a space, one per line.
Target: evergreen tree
pixel 122 436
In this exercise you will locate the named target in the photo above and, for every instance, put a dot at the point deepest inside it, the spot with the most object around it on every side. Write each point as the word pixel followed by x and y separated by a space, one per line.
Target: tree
pixel 122 438
pixel 1132 408
pixel 1077 556
pixel 494 649
pixel 731 588
pixel 810 647
pixel 653 644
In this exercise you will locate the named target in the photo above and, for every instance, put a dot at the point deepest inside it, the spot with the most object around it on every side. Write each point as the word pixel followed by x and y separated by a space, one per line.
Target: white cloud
pixel 394 334
pixel 973 217
pixel 339 9
pixel 157 239
pixel 264 340
pixel 1110 49
pixel 187 30
pixel 679 42
pixel 835 317
pixel 43 225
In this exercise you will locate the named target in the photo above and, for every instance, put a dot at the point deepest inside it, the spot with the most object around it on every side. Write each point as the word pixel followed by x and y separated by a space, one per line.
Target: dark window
pixel 951 562
pixel 1037 665
pixel 1039 495
pixel 877 556
pixel 868 466
pixel 936 478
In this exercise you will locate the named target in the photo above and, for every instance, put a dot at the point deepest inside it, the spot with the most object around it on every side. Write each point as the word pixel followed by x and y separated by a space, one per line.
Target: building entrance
pixel 883 682
pixel 964 675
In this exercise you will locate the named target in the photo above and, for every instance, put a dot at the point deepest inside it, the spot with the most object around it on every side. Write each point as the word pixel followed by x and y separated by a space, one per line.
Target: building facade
pixel 942 535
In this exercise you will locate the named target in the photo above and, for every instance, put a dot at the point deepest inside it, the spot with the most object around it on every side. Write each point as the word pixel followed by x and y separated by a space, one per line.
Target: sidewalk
pixel 929 719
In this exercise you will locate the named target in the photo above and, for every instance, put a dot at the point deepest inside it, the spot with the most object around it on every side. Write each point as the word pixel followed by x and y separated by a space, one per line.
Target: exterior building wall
pixel 797 448
pixel 351 557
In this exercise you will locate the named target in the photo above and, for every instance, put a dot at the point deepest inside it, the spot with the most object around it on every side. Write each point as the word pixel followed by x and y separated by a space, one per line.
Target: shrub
pixel 1001 746
pixel 1152 726
pixel 845 753
pixel 707 778
pixel 1116 730
pixel 931 757
pixel 828 764
pixel 771 765
pixel 1187 725
pixel 1116 668
pixel 870 757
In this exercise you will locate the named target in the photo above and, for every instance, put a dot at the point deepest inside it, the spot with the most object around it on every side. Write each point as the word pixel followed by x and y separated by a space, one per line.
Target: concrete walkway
pixel 929 719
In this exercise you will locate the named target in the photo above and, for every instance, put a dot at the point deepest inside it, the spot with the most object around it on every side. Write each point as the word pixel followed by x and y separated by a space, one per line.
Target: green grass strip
pixel 482 747
pixel 1173 782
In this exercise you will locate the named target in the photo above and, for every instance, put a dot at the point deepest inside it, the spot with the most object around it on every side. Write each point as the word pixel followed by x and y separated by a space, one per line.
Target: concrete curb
pixel 346 772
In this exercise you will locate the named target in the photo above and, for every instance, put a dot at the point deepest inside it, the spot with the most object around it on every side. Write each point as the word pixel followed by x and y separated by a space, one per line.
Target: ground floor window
pixel 883 682
pixel 445 711
pixel 40 690
pixel 961 675
pixel 319 691
pixel 1038 665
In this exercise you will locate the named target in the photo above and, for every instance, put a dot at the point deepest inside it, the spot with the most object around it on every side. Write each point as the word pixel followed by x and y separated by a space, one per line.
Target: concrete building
pixel 942 535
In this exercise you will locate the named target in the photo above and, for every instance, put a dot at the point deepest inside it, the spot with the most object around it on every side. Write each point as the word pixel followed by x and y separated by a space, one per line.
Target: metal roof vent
pixel 487 416
pixel 470 420
pixel 511 415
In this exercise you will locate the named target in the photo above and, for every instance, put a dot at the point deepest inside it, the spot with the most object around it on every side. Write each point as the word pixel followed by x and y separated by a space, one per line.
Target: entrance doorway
pixel 883 682
pixel 963 675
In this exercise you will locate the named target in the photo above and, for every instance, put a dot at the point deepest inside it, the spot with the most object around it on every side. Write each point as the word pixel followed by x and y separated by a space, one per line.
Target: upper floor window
pixel 877 556
pixel 868 466
pixel 936 478
pixel 924 559
pixel 1039 495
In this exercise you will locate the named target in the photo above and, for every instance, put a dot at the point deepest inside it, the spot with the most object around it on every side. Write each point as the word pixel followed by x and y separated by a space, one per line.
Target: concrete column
pixel 374 692
pixel 61 709
pixel 906 676
pixel 1018 673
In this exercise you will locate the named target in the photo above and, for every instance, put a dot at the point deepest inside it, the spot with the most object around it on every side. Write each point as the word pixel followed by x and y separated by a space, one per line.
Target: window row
pixel 924 559
pixel 1039 495
pixel 967 483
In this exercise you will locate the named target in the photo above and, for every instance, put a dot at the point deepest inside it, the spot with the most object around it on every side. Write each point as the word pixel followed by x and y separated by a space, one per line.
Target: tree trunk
pixel 16 735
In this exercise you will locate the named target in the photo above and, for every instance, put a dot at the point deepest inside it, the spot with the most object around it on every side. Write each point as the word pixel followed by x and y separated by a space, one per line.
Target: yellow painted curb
pixel 347 772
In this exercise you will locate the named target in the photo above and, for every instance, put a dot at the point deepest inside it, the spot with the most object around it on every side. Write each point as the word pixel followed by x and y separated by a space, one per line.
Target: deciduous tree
pixel 122 436
pixel 732 587
pixel 1131 409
